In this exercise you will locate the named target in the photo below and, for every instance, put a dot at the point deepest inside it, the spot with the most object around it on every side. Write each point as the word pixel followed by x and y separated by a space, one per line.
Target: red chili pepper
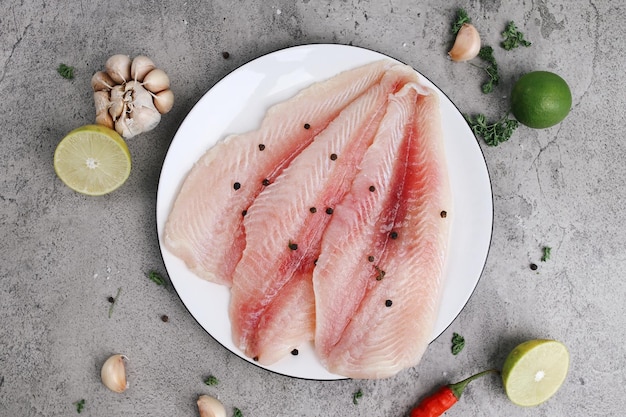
pixel 444 398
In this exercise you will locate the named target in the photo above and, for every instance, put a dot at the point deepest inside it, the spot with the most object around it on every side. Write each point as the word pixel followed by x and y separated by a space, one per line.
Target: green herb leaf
pixel 80 405
pixel 513 37
pixel 237 413
pixel 486 54
pixel 493 133
pixel 66 71
pixel 156 278
pixel 546 253
pixel 458 343
pixel 461 18
pixel 211 381
pixel 357 396
pixel 119 290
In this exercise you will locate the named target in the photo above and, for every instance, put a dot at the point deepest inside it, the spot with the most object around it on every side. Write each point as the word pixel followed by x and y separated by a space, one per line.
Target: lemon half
pixel 92 160
pixel 534 371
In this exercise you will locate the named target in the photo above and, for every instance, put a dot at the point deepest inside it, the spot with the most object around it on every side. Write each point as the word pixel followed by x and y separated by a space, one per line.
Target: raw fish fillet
pixel 378 279
pixel 205 226
pixel 283 235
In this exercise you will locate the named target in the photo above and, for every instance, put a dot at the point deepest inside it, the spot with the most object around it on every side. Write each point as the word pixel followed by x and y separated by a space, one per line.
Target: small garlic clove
pixel 156 81
pixel 113 373
pixel 140 66
pixel 117 102
pixel 101 81
pixel 466 45
pixel 118 68
pixel 105 119
pixel 101 101
pixel 102 104
pixel 164 101
pixel 210 407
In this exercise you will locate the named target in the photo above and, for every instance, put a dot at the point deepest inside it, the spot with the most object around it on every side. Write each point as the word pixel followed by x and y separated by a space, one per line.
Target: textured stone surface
pixel 63 254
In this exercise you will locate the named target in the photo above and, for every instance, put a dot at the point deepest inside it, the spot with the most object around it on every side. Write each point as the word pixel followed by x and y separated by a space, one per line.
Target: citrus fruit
pixel 534 371
pixel 540 99
pixel 92 160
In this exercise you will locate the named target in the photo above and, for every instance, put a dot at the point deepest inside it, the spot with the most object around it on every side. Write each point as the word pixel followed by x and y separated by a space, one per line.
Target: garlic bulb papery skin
pixel 113 373
pixel 466 45
pixel 140 115
pixel 210 407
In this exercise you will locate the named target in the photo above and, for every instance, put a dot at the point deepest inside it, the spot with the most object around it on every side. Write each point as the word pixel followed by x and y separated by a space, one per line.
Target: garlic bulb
pixel 466 45
pixel 131 95
pixel 113 373
pixel 210 407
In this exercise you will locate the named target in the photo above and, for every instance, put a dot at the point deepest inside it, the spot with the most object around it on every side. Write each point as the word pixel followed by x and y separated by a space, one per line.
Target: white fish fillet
pixel 281 216
pixel 378 279
pixel 205 225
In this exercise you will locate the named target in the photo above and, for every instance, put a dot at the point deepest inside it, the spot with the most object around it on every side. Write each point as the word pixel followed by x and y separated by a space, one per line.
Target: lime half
pixel 92 160
pixel 534 371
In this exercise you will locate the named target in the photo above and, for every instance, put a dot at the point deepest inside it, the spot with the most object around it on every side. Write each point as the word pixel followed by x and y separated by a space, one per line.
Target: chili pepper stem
pixel 457 389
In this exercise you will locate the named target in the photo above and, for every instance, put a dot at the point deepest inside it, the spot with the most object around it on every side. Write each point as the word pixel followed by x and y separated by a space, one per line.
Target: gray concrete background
pixel 63 254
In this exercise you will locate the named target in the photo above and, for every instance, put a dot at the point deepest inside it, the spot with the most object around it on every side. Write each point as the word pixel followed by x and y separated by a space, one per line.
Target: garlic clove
pixel 101 81
pixel 102 104
pixel 210 407
pixel 105 119
pixel 466 45
pixel 117 102
pixel 118 68
pixel 164 101
pixel 113 373
pixel 156 81
pixel 140 66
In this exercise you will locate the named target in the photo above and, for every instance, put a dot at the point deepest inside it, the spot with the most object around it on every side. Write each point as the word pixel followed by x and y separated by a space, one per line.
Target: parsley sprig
pixel 513 37
pixel 493 133
pixel 156 278
pixel 486 54
pixel 546 253
pixel 357 396
pixel 80 405
pixel 211 380
pixel 458 343
pixel 66 71
pixel 461 19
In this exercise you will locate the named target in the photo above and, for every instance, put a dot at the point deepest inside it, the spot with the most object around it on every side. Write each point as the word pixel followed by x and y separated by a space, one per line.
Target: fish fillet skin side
pixel 205 225
pixel 283 234
pixel 379 277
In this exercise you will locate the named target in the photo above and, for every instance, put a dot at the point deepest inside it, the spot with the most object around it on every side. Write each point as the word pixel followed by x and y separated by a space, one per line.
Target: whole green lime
pixel 540 99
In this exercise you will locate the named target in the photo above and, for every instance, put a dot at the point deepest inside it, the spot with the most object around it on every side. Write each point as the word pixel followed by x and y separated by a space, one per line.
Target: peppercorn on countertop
pixel 75 278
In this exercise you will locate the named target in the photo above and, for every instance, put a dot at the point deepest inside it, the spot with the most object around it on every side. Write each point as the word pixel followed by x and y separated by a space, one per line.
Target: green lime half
pixel 534 371
pixel 92 160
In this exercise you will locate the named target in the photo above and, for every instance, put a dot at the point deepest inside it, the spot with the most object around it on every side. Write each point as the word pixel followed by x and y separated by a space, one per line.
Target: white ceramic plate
pixel 238 103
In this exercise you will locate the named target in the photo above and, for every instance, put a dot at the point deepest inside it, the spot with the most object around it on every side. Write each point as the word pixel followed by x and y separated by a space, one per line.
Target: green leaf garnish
pixel 211 381
pixel 156 278
pixel 458 343
pixel 513 37
pixel 237 413
pixel 80 405
pixel 493 133
pixel 461 18
pixel 486 54
pixel 66 71
pixel 356 396
pixel 546 253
